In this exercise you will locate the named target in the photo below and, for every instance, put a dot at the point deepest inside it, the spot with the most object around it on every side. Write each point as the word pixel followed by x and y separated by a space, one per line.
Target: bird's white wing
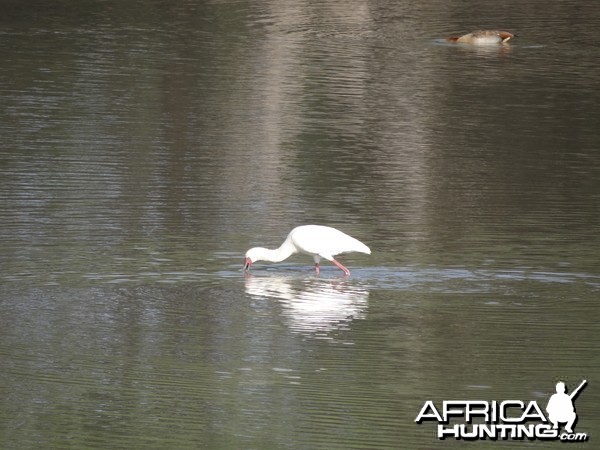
pixel 325 241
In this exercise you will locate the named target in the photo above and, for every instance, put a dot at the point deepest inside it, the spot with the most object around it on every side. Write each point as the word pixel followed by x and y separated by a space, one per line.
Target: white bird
pixel 316 240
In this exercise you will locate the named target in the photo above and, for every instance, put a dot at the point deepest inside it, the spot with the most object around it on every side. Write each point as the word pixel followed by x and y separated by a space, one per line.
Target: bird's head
pixel 253 255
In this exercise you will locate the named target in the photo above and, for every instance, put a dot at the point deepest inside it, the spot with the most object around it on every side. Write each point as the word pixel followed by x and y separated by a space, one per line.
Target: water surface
pixel 145 147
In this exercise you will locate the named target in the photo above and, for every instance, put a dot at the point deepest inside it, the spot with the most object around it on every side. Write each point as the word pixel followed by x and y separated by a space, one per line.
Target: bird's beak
pixel 247 264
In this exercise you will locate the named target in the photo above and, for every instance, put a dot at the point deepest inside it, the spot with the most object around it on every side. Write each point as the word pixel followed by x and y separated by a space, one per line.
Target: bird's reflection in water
pixel 313 306
pixel 485 50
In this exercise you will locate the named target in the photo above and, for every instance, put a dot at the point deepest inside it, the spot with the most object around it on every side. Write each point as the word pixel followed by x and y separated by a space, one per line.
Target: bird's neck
pixel 279 254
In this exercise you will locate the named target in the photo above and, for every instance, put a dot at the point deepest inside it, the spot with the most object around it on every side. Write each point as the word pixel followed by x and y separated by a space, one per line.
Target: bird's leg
pixel 317 268
pixel 337 263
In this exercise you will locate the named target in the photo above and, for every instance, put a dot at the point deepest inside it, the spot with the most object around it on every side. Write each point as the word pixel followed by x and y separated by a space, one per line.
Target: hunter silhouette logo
pixel 508 419
pixel 560 406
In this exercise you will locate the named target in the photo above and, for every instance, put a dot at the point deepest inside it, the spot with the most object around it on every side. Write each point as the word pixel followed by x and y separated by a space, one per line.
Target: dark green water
pixel 147 145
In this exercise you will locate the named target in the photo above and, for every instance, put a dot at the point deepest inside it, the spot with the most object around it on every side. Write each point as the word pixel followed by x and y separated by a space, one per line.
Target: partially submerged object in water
pixel 483 37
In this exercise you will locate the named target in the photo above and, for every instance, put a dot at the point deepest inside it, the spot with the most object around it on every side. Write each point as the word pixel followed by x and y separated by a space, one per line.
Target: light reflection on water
pixel 313 306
